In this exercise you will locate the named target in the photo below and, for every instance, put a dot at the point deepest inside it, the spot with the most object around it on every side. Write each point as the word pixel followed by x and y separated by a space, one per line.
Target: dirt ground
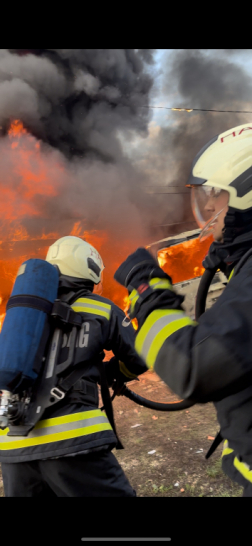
pixel 164 453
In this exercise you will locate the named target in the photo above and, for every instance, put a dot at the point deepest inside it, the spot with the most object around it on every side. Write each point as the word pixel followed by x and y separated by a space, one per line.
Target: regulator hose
pixel 173 406
pixel 202 292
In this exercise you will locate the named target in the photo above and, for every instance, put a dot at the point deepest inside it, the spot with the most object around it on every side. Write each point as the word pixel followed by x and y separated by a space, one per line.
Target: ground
pixel 164 453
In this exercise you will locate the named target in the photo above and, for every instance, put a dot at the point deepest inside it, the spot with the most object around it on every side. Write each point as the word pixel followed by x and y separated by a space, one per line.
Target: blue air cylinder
pixel 27 312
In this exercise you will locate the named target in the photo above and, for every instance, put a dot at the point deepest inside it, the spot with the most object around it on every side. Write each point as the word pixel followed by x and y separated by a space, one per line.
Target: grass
pixel 215 470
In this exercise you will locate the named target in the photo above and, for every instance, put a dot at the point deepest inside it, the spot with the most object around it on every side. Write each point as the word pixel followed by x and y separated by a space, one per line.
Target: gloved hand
pixel 137 268
pixel 114 373
pixel 216 256
pixel 136 274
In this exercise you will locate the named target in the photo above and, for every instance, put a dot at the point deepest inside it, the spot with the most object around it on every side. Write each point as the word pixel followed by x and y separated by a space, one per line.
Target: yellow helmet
pixel 76 258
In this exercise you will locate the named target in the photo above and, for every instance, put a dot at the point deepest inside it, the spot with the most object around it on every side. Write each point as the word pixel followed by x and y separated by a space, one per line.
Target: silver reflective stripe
pixel 38 433
pixel 163 283
pixel 155 329
pixel 53 353
pixel 92 305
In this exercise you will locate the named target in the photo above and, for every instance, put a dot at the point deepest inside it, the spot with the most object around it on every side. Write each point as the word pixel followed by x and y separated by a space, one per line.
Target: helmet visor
pixel 207 205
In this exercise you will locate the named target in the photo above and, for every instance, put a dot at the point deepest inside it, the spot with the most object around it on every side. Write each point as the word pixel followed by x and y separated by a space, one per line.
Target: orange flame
pixel 33 178
pixel 16 129
pixel 16 245
pixel 184 261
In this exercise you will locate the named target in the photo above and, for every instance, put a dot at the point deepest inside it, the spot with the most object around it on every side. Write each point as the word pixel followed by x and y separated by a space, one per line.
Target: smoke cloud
pixel 207 79
pixel 83 106
pixel 80 104
pixel 77 99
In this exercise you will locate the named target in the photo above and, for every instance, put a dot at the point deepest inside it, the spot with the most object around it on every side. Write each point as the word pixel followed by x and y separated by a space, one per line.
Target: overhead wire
pixel 188 110
pixel 200 110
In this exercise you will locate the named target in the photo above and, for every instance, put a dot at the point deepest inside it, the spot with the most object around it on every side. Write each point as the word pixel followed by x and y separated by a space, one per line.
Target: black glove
pixel 137 268
pixel 114 373
pixel 136 274
pixel 216 256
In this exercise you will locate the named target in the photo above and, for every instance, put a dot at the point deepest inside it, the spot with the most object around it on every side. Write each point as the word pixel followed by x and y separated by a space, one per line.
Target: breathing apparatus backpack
pixel 33 328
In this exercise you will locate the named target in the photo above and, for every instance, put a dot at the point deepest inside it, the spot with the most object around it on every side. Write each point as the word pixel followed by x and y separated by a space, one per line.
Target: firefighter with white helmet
pixel 208 360
pixel 72 455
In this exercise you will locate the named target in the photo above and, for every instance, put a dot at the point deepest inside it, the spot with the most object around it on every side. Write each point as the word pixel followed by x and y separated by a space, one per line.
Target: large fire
pixel 37 180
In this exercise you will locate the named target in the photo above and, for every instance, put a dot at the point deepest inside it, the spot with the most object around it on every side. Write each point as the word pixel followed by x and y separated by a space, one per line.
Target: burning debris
pixel 184 260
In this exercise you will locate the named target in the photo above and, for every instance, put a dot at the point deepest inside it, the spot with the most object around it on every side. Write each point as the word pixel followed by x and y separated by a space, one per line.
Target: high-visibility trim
pixel 226 450
pixel 156 329
pixel 57 429
pixel 160 284
pixel 94 302
pixel 86 305
pixel 133 297
pixel 71 418
pixel 125 371
pixel 244 469
pixel 231 275
pixel 155 284
pixel 133 294
pixel 150 321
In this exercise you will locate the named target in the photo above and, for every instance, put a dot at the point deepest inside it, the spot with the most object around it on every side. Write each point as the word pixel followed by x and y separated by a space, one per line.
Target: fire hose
pixel 179 405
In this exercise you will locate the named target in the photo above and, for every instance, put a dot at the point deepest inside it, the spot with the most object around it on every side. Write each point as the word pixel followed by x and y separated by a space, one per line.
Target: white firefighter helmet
pixel 223 165
pixel 76 258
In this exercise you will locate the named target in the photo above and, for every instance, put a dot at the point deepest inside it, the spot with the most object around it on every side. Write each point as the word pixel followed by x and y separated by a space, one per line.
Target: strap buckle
pixel 61 310
pixel 57 393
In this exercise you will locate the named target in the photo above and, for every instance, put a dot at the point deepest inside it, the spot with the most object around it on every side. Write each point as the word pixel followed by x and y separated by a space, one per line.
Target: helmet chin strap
pixel 208 228
pixel 67 283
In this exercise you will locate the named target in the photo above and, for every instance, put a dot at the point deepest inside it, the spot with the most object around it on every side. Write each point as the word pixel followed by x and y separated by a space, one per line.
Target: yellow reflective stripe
pixel 95 307
pixel 151 338
pixel 63 420
pixel 163 335
pixel 226 450
pixel 93 302
pixel 231 275
pixel 72 418
pixel 125 371
pixel 133 294
pixel 160 284
pixel 86 309
pixel 155 284
pixel 133 297
pixel 56 437
pixel 150 321
pixel 244 469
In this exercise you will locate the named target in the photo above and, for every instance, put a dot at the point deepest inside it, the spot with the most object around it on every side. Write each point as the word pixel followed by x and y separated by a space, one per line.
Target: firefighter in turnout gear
pixel 209 360
pixel 68 452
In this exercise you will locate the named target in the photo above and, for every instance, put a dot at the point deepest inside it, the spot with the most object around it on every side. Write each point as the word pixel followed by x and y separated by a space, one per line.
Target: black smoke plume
pixel 206 79
pixel 77 100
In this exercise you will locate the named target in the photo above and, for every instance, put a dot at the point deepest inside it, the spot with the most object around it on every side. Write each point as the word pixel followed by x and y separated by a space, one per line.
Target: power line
pixel 168 193
pixel 200 110
pixel 150 189
pixel 176 223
